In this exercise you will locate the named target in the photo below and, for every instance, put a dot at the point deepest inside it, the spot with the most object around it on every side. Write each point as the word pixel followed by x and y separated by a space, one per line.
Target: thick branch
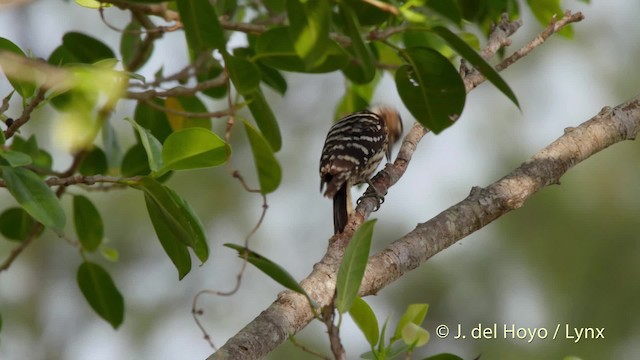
pixel 485 205
pixel 290 312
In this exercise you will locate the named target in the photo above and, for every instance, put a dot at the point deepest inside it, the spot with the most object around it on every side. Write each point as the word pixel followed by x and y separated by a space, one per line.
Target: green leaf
pixel 88 223
pixel 92 4
pixel 244 74
pixel 172 245
pixel 450 9
pixel 194 148
pixel 414 335
pixel 15 158
pixel 16 224
pixel 362 70
pixel 351 270
pixel 151 145
pixel 214 69
pixel 39 157
pixel 189 104
pixel 431 88
pixel 365 318
pixel 101 293
pixel 356 98
pixel 270 76
pixel 310 21
pixel 24 88
pixel 415 314
pixel 131 44
pixel 35 197
pixel 135 162
pixel 201 26
pixel 275 6
pixel 177 216
pixel 477 61
pixel 265 119
pixel 94 163
pixel 271 269
pixel 368 15
pixel 274 48
pixel 267 166
pixel 109 253
pixel 153 119
pixel 81 48
pixel 545 10
pixel 273 78
pixel 443 356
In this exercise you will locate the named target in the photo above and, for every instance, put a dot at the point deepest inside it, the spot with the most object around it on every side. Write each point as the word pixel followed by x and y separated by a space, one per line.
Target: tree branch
pixel 291 311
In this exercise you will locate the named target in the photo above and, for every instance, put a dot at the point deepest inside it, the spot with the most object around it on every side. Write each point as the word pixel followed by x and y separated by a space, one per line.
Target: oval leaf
pixel 351 270
pixel 477 61
pixel 414 335
pixel 94 163
pixel 265 119
pixel 151 145
pixel 88 222
pixel 362 70
pixel 431 88
pixel 135 162
pixel 35 197
pixel 267 166
pixel 244 74
pixel 271 269
pixel 194 148
pixel 16 224
pixel 101 293
pixel 365 318
pixel 135 53
pixel 15 158
pixel 189 104
pixel 178 216
pixel 201 26
pixel 24 88
pixel 310 21
pixel 85 49
pixel 415 314
pixel 274 48
pixel 172 245
pixel 153 119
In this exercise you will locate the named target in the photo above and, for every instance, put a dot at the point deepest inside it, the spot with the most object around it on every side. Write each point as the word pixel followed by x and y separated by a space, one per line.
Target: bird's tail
pixel 340 211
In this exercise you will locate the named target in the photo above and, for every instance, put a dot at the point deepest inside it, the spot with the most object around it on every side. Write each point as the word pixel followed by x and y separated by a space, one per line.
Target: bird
pixel 353 149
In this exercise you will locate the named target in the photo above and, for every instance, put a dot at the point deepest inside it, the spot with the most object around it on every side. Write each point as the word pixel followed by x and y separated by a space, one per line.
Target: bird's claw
pixel 372 192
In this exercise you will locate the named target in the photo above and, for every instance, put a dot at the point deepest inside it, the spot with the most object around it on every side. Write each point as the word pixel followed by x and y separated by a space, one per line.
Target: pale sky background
pixel 562 84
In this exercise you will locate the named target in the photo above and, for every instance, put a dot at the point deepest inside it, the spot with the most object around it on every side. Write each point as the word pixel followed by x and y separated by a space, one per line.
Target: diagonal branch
pixel 484 205
pixel 291 312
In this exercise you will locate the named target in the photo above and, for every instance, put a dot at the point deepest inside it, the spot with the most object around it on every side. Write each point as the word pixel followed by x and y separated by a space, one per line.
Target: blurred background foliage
pixel 569 256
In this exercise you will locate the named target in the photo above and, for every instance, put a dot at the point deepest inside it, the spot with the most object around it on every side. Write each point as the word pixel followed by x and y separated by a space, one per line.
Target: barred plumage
pixel 354 147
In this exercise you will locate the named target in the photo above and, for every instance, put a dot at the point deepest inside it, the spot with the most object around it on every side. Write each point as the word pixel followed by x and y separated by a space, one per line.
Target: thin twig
pixel 554 27
pixel 190 114
pixel 328 317
pixel 26 113
pixel 474 78
pixel 195 311
pixel 13 255
pixel 220 80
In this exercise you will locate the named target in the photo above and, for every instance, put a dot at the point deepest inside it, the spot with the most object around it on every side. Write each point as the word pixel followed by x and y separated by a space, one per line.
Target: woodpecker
pixel 354 147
